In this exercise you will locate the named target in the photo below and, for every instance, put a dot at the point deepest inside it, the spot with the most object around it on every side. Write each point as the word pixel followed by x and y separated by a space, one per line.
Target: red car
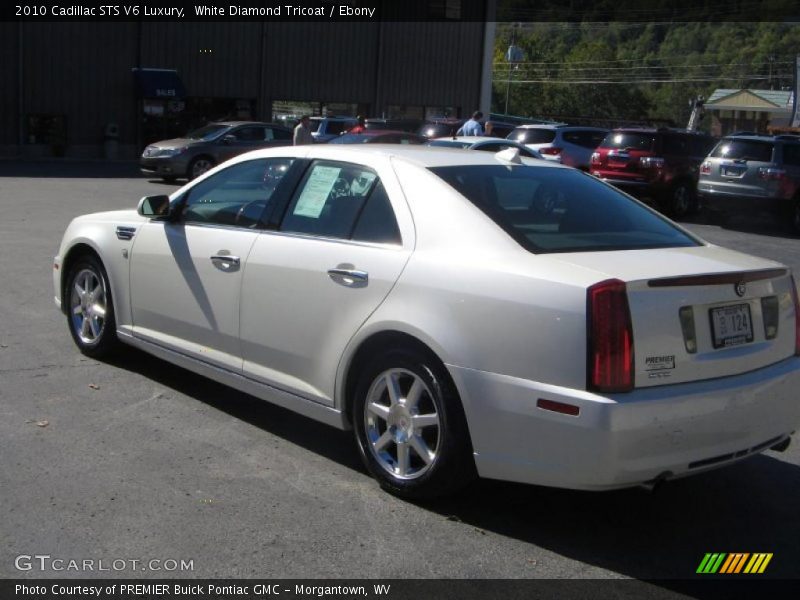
pixel 659 164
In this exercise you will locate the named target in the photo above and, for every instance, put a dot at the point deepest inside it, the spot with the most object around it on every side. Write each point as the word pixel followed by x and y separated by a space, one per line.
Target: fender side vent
pixel 125 233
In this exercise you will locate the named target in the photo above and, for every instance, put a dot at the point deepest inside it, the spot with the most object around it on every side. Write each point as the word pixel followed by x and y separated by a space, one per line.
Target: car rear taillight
pixel 770 173
pixel 595 160
pixel 609 337
pixel 651 162
pixel 705 168
pixel 551 151
pixel 796 318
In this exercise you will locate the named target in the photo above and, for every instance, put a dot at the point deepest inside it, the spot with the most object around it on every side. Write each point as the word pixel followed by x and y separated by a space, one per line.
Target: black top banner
pixel 644 11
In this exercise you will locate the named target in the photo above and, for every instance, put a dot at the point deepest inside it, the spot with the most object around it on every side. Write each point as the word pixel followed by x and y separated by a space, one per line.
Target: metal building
pixel 70 86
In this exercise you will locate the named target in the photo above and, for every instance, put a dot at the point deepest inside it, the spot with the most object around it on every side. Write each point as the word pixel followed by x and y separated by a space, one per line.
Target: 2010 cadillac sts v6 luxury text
pixel 465 313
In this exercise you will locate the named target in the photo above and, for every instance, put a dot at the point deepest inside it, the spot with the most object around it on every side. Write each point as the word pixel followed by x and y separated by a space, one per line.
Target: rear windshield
pixel 549 209
pixel 532 136
pixel 744 150
pixel 629 141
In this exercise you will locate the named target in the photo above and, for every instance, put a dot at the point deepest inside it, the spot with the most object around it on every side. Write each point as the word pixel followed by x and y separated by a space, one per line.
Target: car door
pixel 309 286
pixel 185 275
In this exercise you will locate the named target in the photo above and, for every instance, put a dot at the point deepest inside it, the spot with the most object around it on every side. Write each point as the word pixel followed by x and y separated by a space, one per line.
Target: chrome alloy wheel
pixel 402 424
pixel 88 306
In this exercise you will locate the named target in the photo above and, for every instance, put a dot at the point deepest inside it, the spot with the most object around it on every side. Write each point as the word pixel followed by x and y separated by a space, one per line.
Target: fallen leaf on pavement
pixel 42 423
pixel 94 386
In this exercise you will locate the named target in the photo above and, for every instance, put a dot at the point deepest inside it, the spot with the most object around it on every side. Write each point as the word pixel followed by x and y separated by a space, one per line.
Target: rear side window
pixel 744 150
pixel 675 145
pixel 629 141
pixel 561 210
pixel 532 136
pixel 281 134
pixel 342 200
pixel 377 222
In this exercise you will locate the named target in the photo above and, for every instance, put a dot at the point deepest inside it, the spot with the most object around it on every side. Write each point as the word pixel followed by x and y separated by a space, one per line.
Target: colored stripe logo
pixel 733 563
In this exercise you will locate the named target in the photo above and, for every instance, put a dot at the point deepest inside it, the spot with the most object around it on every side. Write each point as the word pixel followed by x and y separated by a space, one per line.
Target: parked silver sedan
pixel 465 313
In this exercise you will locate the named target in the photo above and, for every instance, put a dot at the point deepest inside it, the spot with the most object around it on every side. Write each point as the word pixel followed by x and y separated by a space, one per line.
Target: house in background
pixel 748 110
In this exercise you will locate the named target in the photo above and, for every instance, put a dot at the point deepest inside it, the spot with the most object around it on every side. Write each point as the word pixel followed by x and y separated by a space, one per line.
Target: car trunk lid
pixel 700 313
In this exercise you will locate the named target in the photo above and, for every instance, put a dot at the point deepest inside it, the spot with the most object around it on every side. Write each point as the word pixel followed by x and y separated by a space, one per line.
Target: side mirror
pixel 229 139
pixel 154 206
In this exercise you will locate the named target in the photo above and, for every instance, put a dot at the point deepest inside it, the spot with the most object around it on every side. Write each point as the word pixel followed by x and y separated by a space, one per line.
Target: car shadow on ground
pixel 660 536
pixel 69 169
pixel 321 439
pixel 172 184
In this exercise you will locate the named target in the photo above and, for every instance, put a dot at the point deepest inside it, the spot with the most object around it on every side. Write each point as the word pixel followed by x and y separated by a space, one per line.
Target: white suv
pixel 571 145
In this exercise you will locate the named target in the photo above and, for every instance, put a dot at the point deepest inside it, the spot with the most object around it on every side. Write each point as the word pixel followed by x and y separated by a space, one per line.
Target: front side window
pixel 237 195
pixel 344 201
pixel 561 210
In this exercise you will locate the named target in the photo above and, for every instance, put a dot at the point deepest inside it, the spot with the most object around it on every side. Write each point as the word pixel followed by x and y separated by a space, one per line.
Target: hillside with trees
pixel 623 71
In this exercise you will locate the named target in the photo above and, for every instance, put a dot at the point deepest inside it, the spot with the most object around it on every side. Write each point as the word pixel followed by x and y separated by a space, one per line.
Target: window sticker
pixel 316 191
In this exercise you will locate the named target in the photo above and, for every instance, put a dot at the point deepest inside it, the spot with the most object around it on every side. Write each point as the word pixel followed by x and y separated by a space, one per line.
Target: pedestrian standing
pixel 302 132
pixel 473 126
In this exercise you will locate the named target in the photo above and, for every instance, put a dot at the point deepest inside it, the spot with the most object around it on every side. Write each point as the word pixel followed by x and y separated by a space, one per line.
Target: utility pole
pixel 514 55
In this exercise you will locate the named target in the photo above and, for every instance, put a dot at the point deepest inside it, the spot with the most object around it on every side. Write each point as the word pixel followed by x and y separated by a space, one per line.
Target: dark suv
pixel 658 164
pixel 750 173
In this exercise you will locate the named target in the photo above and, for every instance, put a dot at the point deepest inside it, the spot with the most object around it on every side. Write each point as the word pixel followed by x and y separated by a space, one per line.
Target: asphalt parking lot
pixel 138 460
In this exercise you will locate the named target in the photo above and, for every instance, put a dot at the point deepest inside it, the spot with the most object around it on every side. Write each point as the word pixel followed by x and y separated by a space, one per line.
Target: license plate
pixel 732 171
pixel 731 325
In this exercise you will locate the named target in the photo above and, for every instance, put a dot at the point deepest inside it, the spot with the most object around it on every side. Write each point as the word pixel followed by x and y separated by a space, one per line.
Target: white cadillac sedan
pixel 465 313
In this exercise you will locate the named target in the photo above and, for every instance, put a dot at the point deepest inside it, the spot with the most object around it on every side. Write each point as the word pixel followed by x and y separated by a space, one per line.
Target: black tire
pixel 681 200
pixel 95 335
pixel 451 465
pixel 199 165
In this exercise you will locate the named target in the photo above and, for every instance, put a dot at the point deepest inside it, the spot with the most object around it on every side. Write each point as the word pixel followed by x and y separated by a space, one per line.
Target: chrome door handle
pixel 226 262
pixel 349 277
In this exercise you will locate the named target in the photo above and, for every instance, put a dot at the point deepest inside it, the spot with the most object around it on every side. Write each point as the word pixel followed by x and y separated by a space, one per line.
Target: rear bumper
pixel 634 187
pixel 731 202
pixel 626 439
